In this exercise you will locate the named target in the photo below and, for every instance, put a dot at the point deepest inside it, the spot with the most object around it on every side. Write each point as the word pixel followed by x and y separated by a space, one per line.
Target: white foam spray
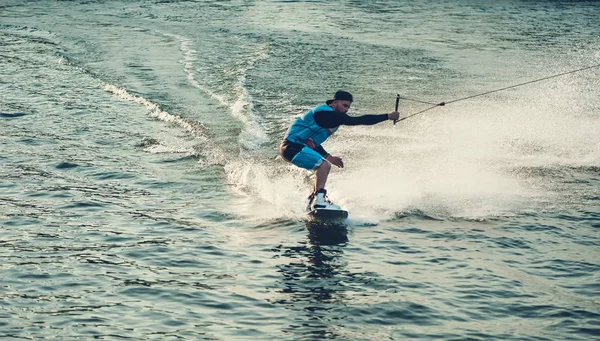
pixel 270 190
pixel 471 160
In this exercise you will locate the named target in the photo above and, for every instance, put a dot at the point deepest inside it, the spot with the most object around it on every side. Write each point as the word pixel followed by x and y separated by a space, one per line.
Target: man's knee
pixel 325 166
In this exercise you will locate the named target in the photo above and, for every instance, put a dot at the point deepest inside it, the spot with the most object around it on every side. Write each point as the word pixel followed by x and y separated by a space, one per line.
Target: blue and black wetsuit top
pixel 317 125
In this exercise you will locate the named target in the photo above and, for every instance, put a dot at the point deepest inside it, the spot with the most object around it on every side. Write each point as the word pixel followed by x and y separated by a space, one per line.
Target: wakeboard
pixel 328 215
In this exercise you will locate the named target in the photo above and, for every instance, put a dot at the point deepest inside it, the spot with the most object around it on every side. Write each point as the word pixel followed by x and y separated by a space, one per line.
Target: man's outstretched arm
pixel 332 119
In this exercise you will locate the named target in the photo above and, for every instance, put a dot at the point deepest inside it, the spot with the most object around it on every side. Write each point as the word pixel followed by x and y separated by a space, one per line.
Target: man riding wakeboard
pixel 302 144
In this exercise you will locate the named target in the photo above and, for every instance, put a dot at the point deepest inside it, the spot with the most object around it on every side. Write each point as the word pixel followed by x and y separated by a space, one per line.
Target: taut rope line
pixel 441 104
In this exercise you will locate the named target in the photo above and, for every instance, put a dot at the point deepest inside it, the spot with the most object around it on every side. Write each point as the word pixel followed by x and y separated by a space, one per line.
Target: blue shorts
pixel 300 155
pixel 308 159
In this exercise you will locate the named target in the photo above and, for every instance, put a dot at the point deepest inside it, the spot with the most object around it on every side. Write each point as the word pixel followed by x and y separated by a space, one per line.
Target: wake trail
pixel 240 105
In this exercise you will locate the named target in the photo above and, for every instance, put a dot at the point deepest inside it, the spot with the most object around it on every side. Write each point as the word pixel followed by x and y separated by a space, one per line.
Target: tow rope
pixel 441 104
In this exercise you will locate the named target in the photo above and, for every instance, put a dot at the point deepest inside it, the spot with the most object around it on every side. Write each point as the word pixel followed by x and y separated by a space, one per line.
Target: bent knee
pixel 325 165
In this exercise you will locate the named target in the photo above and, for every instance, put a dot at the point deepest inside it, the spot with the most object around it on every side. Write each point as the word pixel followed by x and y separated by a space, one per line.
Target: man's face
pixel 341 106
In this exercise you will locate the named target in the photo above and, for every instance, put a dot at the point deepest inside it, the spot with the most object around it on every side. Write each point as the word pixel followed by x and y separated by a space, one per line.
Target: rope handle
pixel 397 102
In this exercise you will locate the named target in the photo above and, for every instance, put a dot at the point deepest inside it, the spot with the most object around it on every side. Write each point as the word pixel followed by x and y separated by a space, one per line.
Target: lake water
pixel 141 195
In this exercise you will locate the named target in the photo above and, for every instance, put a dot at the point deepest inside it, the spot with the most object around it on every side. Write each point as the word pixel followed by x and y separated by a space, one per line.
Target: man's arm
pixel 333 159
pixel 332 119
pixel 319 149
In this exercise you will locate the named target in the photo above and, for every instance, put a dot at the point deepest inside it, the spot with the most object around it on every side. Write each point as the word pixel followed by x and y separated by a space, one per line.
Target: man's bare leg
pixel 321 175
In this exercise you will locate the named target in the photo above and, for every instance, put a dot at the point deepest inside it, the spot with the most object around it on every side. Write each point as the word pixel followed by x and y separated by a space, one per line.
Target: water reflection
pixel 312 284
pixel 327 233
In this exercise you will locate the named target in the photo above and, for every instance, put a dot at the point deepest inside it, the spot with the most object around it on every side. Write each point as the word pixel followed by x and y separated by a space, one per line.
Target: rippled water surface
pixel 141 196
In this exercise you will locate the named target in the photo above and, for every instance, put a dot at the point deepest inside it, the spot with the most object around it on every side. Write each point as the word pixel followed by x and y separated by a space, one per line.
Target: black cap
pixel 340 96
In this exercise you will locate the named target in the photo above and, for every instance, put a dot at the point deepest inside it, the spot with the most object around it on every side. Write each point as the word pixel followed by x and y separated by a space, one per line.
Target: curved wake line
pixel 189 56
pixel 243 107
pixel 154 109
pixel 253 135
